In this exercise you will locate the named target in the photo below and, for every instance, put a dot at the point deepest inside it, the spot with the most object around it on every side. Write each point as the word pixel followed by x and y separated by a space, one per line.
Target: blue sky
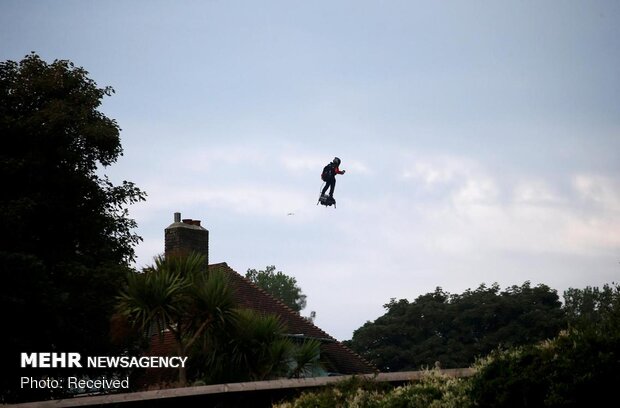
pixel 480 138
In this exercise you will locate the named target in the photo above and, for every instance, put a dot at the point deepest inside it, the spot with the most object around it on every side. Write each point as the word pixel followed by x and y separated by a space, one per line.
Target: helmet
pixel 336 161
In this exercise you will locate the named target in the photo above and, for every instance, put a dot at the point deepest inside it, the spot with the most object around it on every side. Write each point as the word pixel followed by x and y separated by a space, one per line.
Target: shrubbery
pixel 578 368
pixel 433 390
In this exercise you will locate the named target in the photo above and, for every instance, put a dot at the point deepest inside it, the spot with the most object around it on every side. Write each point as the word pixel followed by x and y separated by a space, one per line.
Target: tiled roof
pixel 341 359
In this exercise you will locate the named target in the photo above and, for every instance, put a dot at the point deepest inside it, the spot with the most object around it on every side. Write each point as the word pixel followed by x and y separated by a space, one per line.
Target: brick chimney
pixel 185 236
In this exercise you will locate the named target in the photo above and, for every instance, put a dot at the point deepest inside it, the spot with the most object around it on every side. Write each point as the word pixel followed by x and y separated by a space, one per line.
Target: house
pixel 184 236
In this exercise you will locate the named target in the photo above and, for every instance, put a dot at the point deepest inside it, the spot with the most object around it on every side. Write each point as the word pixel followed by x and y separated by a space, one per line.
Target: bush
pixel 433 390
pixel 580 367
pixel 577 368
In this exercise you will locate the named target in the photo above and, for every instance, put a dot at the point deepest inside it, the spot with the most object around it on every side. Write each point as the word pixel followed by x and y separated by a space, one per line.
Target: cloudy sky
pixel 481 139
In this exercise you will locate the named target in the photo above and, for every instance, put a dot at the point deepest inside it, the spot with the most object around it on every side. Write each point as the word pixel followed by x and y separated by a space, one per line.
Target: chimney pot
pixel 177 217
pixel 187 220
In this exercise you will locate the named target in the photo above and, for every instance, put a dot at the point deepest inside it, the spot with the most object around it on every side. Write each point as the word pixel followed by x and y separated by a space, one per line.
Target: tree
pixel 177 295
pixel 589 306
pixel 455 329
pixel 66 237
pixel 281 286
pixel 579 367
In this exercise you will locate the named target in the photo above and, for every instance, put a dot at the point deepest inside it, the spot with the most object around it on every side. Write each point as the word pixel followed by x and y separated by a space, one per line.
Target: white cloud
pixel 438 169
pixel 600 190
pixel 475 190
pixel 428 173
pixel 462 210
pixel 356 167
pixel 534 192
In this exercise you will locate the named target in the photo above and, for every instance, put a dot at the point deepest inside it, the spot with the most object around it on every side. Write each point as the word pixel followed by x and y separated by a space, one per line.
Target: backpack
pixel 328 172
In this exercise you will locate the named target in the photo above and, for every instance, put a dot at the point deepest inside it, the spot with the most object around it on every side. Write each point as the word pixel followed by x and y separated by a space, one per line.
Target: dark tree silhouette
pixel 66 235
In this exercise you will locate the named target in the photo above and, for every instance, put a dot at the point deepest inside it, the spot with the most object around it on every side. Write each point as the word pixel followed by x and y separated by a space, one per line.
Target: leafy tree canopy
pixel 278 284
pixel 67 239
pixel 592 306
pixel 453 330
pixel 578 368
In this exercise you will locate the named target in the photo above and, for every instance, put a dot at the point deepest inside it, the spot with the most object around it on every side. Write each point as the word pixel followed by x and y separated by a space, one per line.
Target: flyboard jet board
pixel 326 200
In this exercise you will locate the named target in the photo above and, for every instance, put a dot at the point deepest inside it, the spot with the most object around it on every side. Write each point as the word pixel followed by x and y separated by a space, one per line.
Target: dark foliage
pixel 579 368
pixel 279 285
pixel 452 330
pixel 66 239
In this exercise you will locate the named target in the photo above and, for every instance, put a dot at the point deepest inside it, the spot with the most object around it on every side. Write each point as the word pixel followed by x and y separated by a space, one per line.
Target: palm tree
pixel 178 295
pixel 305 359
pixel 247 347
pixel 254 347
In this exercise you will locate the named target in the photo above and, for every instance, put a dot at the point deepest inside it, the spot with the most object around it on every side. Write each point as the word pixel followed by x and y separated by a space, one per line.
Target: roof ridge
pixel 353 352
pixel 293 319
pixel 281 303
pixel 219 264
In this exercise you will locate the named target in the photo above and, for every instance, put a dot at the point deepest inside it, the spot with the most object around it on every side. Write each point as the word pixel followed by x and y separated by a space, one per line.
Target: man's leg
pixel 325 188
pixel 332 186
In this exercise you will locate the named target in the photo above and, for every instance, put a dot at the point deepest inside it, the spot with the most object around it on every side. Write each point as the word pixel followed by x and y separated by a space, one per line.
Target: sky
pixel 480 139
